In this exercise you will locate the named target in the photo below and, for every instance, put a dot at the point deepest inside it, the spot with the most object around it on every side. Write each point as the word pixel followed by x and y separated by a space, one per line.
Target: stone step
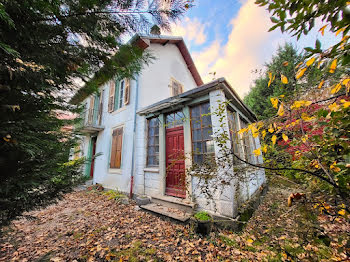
pixel 173 213
pixel 174 202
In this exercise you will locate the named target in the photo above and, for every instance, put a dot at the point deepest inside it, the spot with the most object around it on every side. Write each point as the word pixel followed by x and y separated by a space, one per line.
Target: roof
pixel 181 99
pixel 144 41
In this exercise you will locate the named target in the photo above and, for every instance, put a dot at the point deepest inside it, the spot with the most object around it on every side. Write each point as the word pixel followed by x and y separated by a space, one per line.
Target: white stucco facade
pixel 150 87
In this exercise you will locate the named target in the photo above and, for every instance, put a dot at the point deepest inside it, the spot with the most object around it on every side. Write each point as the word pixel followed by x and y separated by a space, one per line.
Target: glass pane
pixel 197 147
pixel 151 151
pixel 156 149
pixel 205 108
pixel 151 131
pixel 170 120
pixel 156 140
pixel 156 130
pixel 196 123
pixel 156 160
pixel 229 116
pixel 151 140
pixel 150 161
pixel 209 146
pixel 243 124
pixel 153 122
pixel 179 117
pixel 207 132
pixel 198 159
pixel 206 120
pixel 196 135
pixel 195 111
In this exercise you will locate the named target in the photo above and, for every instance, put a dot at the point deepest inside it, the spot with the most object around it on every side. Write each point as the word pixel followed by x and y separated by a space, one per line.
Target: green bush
pixel 202 216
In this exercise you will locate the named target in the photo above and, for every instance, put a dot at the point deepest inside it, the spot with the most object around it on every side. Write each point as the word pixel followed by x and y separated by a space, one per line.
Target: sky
pixel 231 38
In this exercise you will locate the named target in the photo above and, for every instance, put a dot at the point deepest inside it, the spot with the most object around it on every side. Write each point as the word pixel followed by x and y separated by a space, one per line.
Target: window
pixel 117 145
pixel 153 142
pixel 202 141
pixel 232 125
pixel 176 87
pixel 248 143
pixel 95 110
pixel 175 119
pixel 119 94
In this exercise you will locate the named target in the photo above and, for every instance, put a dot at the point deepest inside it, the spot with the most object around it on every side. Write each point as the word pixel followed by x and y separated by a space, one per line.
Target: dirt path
pixel 87 226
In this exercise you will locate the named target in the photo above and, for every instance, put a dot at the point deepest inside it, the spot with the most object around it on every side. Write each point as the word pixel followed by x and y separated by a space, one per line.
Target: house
pixel 139 126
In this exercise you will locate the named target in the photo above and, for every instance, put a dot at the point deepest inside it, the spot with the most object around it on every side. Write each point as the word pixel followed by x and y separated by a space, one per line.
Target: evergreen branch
pixel 140 12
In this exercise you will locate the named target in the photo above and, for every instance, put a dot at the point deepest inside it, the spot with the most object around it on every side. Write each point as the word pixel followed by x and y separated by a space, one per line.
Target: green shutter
pixel 96 106
pixel 116 95
pixel 88 159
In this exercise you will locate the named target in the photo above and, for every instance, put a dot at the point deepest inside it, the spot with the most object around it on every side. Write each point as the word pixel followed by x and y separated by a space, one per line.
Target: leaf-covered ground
pixel 87 226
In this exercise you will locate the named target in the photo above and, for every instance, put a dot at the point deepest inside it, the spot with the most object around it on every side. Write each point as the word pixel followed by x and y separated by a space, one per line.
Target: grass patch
pixel 114 194
pixel 134 254
pixel 228 241
pixel 77 235
pixel 274 206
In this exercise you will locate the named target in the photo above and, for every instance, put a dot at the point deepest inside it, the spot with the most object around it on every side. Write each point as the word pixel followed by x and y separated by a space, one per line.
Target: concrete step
pixel 173 213
pixel 174 202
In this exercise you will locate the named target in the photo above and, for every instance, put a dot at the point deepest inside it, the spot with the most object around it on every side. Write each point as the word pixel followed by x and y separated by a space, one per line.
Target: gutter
pixel 133 139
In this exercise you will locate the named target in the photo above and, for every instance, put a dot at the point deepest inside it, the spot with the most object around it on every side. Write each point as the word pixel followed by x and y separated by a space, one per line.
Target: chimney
pixel 155 30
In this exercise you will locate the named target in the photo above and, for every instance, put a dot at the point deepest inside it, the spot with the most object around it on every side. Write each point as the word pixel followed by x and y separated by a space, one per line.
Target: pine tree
pixel 284 62
pixel 45 46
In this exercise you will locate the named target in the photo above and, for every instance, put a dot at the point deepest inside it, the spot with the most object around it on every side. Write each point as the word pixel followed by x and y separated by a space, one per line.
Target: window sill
pixel 151 169
pixel 115 171
pixel 118 111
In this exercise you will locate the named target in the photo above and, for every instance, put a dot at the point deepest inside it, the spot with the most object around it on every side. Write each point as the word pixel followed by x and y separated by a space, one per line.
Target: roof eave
pixel 220 83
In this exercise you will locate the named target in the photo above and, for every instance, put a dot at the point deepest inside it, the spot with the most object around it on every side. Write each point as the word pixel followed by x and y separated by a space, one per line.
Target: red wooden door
pixel 175 163
pixel 93 156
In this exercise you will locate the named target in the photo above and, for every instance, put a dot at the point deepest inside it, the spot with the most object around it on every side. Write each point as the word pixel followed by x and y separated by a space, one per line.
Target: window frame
pixel 119 103
pixel 176 120
pixel 119 94
pixel 180 85
pixel 202 140
pixel 233 131
pixel 247 137
pixel 148 142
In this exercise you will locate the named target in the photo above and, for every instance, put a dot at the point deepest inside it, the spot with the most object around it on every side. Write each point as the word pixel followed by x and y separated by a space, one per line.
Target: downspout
pixel 133 139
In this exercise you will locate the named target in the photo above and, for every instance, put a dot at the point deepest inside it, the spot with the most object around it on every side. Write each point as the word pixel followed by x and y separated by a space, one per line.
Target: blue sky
pixel 231 38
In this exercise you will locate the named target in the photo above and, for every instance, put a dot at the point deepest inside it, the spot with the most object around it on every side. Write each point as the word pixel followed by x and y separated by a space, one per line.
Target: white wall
pixel 153 84
pixel 124 117
pixel 155 78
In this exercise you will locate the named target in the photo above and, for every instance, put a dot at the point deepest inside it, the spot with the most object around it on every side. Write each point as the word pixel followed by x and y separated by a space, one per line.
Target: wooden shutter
pixel 127 91
pixel 118 156
pixel 111 96
pixel 117 145
pixel 176 88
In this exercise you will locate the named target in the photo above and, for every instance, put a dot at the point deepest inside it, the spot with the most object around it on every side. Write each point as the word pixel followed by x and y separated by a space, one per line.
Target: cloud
pixel 248 47
pixel 207 56
pixel 193 31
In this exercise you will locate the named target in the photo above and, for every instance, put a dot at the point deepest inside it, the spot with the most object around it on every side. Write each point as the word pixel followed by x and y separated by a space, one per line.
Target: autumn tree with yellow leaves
pixel 313 127
pixel 308 136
